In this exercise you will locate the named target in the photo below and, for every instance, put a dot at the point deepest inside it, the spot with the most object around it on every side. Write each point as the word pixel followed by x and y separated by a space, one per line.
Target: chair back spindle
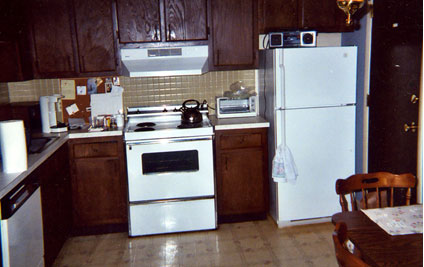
pixel 374 190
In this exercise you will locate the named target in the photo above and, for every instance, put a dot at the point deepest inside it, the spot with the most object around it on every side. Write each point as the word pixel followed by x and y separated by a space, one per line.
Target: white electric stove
pixel 171 180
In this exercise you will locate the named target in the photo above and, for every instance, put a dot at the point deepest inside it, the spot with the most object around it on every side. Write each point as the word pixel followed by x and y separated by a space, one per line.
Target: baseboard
pixel 282 224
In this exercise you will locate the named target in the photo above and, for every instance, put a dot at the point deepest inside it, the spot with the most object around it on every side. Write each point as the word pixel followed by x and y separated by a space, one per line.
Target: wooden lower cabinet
pixel 99 185
pixel 56 202
pixel 242 174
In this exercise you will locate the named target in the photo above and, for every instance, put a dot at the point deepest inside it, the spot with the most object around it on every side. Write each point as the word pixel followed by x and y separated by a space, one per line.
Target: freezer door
pixel 316 77
pixel 322 141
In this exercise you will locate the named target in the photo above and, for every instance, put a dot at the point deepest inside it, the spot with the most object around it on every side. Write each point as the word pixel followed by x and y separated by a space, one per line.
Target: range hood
pixel 151 62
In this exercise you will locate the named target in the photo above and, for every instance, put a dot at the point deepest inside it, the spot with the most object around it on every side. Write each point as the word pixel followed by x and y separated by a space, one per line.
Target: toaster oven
pixel 231 108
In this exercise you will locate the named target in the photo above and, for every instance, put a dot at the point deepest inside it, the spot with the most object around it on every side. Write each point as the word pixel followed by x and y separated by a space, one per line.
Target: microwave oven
pixel 232 108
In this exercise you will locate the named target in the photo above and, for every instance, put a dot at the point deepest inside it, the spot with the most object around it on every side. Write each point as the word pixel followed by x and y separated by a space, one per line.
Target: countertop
pixel 85 133
pixel 9 180
pixel 238 123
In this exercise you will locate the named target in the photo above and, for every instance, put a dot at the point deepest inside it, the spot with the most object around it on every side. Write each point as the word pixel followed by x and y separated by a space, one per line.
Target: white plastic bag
pixel 283 166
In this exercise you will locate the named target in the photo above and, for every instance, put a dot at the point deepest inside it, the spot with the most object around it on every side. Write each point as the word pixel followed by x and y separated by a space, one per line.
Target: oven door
pixel 170 169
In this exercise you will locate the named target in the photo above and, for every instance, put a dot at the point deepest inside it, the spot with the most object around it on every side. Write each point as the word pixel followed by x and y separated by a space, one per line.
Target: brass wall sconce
pixel 350 7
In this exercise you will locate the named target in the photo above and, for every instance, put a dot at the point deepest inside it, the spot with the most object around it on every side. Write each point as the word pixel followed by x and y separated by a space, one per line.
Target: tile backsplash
pixel 143 91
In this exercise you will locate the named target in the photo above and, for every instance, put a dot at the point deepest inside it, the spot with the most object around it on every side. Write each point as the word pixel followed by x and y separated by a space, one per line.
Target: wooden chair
pixel 376 189
pixel 344 257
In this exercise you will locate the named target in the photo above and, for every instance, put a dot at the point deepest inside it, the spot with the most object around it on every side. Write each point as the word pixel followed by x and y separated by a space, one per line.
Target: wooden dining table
pixel 377 247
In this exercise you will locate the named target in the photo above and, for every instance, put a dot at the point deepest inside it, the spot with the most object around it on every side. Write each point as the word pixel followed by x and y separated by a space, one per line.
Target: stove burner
pixel 190 125
pixel 146 124
pixel 144 129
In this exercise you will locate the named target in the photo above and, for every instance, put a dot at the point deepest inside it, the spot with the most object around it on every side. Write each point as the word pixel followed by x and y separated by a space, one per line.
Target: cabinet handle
pixel 155 37
pixel 217 57
pixel 226 163
pixel 169 32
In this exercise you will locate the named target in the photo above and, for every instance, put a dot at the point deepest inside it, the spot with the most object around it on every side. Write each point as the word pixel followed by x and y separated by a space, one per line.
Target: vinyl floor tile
pixel 255 243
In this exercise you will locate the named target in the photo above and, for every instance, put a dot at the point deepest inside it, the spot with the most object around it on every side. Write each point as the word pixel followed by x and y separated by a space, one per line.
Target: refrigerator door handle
pixel 281 86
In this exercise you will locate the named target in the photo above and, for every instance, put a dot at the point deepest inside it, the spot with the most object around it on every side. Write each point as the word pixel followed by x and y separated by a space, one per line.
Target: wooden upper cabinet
pixel 139 21
pixel 322 16
pixel 286 15
pixel 150 21
pixel 234 40
pixel 73 38
pixel 185 20
pixel 95 35
pixel 275 15
pixel 10 69
pixel 15 62
pixel 52 37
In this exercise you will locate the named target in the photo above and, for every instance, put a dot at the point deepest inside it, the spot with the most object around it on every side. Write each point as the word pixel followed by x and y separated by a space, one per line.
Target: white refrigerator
pixel 309 97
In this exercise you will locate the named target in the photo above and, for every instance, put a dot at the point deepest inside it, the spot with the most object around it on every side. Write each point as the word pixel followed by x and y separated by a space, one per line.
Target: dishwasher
pixel 22 226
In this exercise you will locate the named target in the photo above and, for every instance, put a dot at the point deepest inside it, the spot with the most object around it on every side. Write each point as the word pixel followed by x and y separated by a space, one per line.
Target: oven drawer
pixel 170 217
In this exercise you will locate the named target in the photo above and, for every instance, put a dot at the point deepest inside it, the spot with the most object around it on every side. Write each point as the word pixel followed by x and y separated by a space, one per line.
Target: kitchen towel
pixel 283 166
pixel 13 146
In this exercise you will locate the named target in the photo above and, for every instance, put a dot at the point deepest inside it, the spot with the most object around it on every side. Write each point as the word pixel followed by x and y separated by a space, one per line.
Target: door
pixel 98 192
pixel 395 80
pixel 321 15
pixel 51 32
pixel 322 142
pixel 139 21
pixel 241 182
pixel 22 233
pixel 234 31
pixel 177 168
pixel 185 20
pixel 95 35
pixel 313 77
pixel 277 15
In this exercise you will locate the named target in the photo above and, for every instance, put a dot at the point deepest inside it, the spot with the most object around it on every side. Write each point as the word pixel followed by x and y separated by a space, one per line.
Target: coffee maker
pixel 51 112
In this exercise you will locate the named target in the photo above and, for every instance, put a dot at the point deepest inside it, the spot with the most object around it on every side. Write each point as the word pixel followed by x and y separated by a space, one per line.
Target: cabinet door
pixel 324 16
pixel 95 35
pixel 321 15
pixel 98 192
pixel 10 69
pixel 139 21
pixel 234 34
pixel 240 188
pixel 56 203
pixel 277 15
pixel 52 36
pixel 185 20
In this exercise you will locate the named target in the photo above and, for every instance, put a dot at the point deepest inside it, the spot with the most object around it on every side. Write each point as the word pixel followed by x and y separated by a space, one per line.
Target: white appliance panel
pixel 172 184
pixel 169 217
pixel 22 235
pixel 322 141
pixel 315 77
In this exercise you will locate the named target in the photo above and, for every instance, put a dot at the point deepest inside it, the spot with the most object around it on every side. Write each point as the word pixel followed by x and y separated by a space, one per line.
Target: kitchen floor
pixel 256 243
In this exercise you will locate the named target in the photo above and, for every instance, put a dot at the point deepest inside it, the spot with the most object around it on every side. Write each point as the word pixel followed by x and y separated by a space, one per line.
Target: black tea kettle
pixel 191 115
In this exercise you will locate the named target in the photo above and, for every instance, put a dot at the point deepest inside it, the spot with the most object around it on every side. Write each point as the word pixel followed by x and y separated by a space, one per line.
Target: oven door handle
pixel 166 141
